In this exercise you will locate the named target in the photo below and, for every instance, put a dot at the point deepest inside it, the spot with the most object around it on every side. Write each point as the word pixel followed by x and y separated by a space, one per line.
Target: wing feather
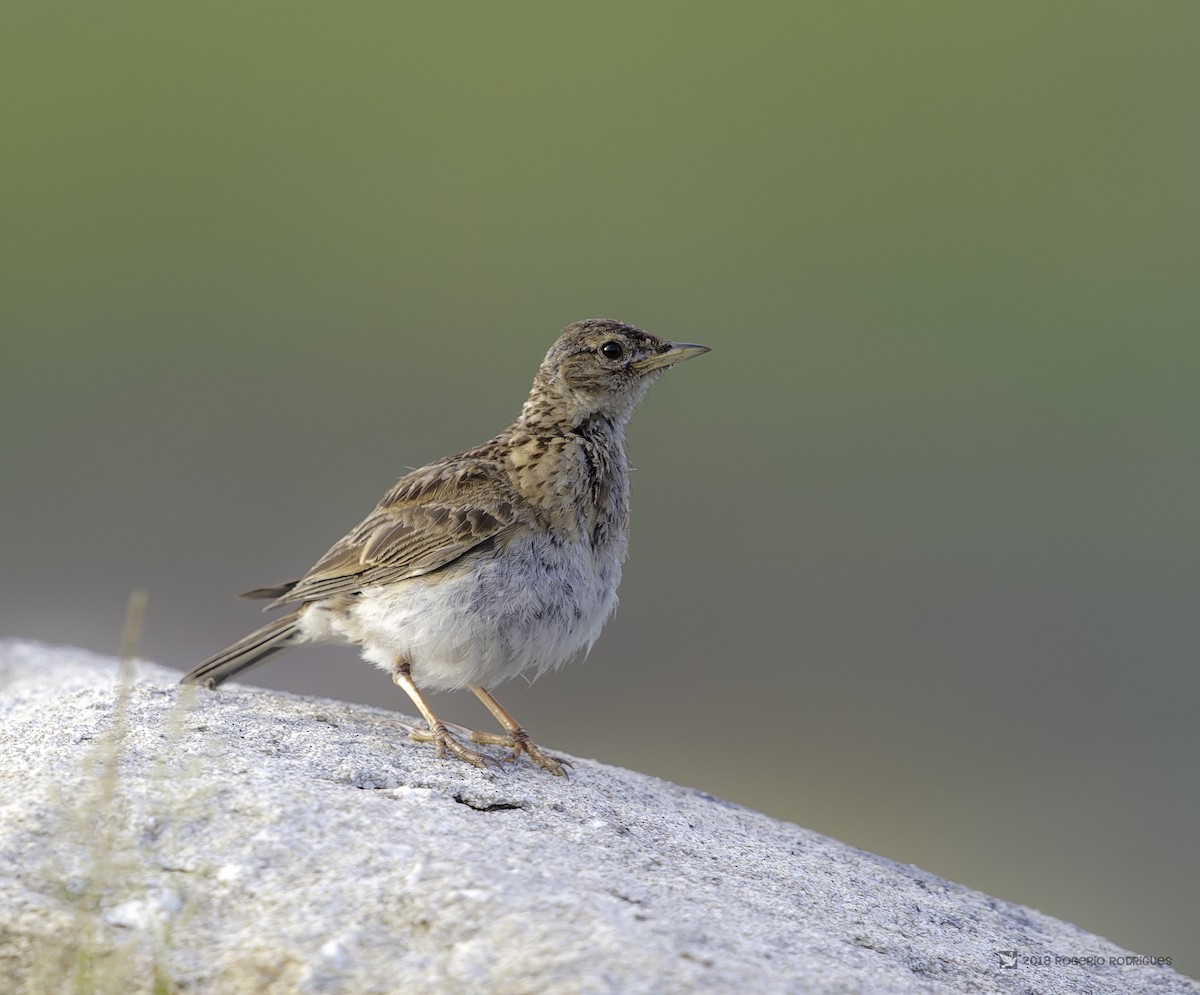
pixel 428 520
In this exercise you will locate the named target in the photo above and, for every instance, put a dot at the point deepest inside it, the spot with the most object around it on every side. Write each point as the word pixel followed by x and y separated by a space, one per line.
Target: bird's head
pixel 601 368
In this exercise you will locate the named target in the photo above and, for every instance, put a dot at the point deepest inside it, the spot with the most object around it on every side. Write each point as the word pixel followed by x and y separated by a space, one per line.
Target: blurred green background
pixel 914 551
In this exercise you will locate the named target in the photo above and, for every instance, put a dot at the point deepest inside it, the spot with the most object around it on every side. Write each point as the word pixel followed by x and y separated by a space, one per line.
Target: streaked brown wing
pixel 428 520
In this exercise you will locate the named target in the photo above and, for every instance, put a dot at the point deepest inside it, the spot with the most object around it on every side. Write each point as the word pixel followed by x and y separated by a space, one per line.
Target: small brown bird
pixel 502 560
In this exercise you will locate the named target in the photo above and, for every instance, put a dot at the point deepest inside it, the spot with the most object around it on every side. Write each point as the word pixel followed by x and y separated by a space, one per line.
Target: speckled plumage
pixel 498 561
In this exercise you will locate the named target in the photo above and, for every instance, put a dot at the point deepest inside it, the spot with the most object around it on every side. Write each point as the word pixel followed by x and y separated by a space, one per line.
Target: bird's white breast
pixel 522 609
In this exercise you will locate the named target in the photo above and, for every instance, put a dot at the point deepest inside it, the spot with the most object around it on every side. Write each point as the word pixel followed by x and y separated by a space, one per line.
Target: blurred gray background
pixel 914 551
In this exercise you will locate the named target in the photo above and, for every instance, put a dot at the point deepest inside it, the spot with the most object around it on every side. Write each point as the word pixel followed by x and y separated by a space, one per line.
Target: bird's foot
pixel 556 765
pixel 445 743
pixel 519 742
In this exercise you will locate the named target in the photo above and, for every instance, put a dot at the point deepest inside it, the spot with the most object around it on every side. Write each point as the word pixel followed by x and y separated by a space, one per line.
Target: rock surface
pixel 246 840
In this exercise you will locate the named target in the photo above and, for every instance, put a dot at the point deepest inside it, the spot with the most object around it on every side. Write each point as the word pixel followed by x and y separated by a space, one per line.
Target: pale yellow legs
pixel 516 738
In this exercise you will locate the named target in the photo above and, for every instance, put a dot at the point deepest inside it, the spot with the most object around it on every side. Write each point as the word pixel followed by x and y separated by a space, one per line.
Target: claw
pixel 521 743
pixel 445 743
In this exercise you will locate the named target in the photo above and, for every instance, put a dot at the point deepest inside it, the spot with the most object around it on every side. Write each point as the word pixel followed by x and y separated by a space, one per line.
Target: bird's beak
pixel 678 352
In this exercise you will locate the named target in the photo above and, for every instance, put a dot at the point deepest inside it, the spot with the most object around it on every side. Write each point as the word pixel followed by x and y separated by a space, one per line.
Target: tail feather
pixel 271 593
pixel 272 638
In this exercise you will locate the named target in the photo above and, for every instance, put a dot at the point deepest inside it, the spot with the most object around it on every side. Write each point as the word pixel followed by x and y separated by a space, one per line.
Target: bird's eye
pixel 611 350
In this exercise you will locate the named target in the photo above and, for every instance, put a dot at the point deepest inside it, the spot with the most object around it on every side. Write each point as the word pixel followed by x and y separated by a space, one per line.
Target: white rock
pixel 255 841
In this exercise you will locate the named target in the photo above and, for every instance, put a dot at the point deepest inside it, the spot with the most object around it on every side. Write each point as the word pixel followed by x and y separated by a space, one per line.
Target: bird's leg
pixel 517 739
pixel 438 734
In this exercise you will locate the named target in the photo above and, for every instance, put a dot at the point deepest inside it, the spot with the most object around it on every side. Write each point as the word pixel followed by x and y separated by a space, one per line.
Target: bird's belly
pixel 523 609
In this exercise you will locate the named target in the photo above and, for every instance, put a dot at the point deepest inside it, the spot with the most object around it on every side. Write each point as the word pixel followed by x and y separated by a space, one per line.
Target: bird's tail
pixel 272 638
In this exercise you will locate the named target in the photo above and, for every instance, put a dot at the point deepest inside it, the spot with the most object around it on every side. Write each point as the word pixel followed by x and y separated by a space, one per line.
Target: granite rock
pixel 154 837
